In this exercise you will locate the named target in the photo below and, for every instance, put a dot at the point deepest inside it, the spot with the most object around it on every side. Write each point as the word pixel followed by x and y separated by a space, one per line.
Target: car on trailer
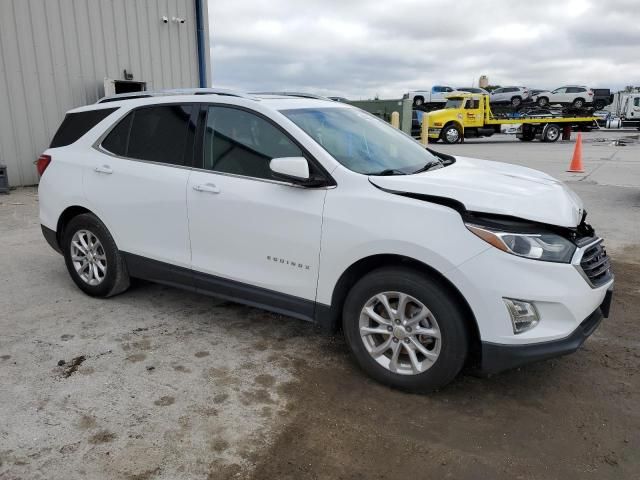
pixel 434 96
pixel 514 96
pixel 578 96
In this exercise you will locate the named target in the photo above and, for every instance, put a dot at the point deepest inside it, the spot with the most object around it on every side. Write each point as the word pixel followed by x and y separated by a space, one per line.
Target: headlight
pixel 539 246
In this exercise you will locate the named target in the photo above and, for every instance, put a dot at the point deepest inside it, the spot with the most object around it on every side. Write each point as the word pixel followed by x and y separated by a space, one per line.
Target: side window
pixel 636 102
pixel 472 104
pixel 242 143
pixel 75 125
pixel 498 90
pixel 158 134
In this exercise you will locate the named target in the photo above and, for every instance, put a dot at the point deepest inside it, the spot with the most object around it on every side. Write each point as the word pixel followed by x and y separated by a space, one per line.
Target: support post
pixel 424 129
pixel 395 120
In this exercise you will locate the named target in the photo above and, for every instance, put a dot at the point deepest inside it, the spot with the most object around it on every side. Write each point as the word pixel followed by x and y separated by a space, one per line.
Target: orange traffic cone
pixel 576 162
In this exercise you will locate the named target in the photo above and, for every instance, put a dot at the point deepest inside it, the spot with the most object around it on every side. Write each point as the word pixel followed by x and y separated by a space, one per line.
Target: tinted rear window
pixel 158 134
pixel 75 125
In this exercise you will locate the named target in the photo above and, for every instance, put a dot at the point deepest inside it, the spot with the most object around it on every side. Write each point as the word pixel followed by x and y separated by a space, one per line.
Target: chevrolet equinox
pixel 318 210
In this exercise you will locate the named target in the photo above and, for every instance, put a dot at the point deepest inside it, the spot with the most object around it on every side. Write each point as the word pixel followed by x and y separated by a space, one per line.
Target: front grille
pixel 596 265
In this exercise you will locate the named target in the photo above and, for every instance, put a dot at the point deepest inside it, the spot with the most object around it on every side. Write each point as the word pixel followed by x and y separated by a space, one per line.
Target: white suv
pixel 321 211
pixel 514 96
pixel 578 96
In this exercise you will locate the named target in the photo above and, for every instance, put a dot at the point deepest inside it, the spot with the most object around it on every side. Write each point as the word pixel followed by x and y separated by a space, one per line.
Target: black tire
pixel 542 101
pixel 418 101
pixel 116 278
pixel 599 105
pixel 445 309
pixel 528 133
pixel 516 102
pixel 551 133
pixel 447 135
pixel 578 103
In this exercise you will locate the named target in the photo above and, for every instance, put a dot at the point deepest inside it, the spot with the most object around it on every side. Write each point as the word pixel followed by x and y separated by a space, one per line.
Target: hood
pixel 443 112
pixel 493 187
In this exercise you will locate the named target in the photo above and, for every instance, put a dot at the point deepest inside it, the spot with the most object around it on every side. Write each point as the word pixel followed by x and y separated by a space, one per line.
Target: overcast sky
pixel 359 48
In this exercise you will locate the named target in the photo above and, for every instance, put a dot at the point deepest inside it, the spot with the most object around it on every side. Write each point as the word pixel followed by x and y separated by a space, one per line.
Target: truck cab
pixel 631 107
pixel 463 115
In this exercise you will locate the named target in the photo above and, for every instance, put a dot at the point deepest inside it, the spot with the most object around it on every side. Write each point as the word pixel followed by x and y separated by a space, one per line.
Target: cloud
pixel 362 48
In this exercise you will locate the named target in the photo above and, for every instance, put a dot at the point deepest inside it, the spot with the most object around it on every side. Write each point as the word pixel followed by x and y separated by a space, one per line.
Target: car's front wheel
pixel 92 258
pixel 405 330
pixel 451 134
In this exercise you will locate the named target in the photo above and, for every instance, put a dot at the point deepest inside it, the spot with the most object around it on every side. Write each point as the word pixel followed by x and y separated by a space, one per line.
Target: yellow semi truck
pixel 469 115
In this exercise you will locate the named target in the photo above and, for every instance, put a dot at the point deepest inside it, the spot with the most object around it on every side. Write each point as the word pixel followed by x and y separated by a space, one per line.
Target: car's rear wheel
pixel 417 101
pixel 451 134
pixel 516 102
pixel 578 103
pixel 405 330
pixel 92 258
pixel 551 133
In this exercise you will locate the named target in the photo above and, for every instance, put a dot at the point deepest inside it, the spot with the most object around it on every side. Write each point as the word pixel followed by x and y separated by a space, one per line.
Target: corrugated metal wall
pixel 55 54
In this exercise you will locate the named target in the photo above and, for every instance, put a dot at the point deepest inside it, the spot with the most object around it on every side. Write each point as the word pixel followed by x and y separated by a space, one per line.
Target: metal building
pixel 59 54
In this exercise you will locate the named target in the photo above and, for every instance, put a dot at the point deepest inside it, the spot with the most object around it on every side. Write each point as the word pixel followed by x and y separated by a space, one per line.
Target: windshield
pixel 362 142
pixel 454 103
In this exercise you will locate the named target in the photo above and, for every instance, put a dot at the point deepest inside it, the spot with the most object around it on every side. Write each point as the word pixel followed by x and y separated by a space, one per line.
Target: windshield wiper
pixel 388 172
pixel 430 166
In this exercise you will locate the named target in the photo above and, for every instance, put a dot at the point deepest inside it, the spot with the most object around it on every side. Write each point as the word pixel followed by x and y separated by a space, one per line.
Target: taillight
pixel 590 93
pixel 42 163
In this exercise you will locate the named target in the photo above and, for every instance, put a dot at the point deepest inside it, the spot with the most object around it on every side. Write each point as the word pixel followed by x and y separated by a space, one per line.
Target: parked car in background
pixel 514 96
pixel 578 96
pixel 472 90
pixel 433 96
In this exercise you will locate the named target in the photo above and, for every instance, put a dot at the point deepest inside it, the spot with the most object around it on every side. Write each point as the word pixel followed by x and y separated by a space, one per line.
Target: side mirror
pixel 290 168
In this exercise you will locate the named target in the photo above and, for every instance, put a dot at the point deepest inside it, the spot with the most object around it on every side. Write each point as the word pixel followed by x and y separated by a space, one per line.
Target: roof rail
pixel 174 91
pixel 293 94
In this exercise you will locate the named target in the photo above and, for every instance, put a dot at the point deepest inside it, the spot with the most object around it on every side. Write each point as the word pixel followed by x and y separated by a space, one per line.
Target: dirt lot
pixel 162 384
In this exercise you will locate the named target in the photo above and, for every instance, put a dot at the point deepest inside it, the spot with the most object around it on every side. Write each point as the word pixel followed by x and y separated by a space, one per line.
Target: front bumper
pixel 499 357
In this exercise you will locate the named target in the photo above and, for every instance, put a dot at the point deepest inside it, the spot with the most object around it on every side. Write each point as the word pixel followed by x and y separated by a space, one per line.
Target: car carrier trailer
pixel 469 115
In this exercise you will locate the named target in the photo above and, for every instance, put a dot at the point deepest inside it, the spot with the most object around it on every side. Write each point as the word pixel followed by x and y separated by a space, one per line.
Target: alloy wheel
pixel 400 333
pixel 88 257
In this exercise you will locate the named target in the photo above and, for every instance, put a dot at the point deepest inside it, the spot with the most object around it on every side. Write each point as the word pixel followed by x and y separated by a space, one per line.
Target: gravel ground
pixel 158 383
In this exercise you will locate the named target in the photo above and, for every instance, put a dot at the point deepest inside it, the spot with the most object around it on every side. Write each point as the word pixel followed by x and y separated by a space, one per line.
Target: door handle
pixel 104 169
pixel 207 187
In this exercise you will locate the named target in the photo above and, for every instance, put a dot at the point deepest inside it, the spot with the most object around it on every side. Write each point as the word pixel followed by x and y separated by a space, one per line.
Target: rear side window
pixel 159 134
pixel 75 125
